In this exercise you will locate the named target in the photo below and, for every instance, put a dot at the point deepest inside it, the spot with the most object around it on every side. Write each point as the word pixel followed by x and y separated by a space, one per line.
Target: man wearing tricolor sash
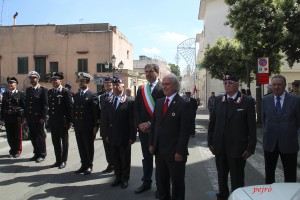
pixel 146 96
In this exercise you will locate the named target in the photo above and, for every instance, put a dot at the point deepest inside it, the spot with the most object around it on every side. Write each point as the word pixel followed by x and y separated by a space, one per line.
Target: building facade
pixel 67 49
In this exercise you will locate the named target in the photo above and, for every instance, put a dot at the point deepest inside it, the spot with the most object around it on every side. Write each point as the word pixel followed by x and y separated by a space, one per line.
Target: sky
pixel 154 27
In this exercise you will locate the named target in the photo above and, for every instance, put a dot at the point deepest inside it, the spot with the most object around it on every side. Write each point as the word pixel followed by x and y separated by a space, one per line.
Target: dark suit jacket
pixel 37 104
pixel 11 105
pixel 170 135
pixel 282 130
pixel 102 102
pixel 232 126
pixel 140 111
pixel 60 108
pixel 86 111
pixel 119 124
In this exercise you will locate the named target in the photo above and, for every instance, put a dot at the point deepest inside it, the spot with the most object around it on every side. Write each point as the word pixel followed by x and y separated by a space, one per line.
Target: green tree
pixel 175 70
pixel 291 44
pixel 224 55
pixel 259 26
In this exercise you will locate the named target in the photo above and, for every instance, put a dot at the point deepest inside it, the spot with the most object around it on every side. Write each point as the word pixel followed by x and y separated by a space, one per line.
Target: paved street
pixel 20 179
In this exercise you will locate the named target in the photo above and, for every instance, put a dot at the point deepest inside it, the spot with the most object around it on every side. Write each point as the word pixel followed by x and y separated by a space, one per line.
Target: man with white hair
pixel 36 112
pixel 171 127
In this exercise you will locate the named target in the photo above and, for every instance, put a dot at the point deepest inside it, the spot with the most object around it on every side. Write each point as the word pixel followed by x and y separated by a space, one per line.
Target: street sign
pixel 263 78
pixel 263 65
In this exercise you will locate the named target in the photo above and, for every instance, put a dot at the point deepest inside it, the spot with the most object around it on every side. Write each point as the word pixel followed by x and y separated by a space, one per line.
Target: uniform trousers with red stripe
pixel 14 137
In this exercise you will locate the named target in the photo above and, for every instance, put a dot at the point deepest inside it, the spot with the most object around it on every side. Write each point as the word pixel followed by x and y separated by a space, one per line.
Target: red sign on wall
pixel 263 78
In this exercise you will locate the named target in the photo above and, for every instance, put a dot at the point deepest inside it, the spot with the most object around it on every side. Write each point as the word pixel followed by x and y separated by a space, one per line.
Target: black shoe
pixel 16 155
pixel 144 187
pixel 40 159
pixel 108 170
pixel 220 197
pixel 116 182
pixel 157 194
pixel 80 170
pixel 33 158
pixel 124 184
pixel 62 165
pixel 88 171
pixel 54 165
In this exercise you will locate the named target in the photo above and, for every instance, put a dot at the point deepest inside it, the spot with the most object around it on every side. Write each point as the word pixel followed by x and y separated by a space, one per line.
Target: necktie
pixel 165 107
pixel 81 93
pixel 150 86
pixel 278 106
pixel 115 103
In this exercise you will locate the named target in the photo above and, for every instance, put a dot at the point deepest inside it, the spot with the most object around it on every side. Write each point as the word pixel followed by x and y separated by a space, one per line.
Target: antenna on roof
pixel 2 12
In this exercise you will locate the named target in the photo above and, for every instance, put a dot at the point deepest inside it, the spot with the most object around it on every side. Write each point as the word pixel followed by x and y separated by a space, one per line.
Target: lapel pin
pixel 173 114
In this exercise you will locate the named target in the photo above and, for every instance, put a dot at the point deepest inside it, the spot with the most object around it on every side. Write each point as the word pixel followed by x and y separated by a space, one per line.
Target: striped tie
pixel 278 106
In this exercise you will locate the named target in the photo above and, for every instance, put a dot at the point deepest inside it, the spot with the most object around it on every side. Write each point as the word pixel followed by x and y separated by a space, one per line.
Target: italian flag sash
pixel 148 99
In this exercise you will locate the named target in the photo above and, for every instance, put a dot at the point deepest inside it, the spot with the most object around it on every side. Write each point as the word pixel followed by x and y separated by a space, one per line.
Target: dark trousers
pixel 194 125
pixel 85 143
pixel 235 166
pixel 289 162
pixel 14 137
pixel 38 139
pixel 147 159
pixel 171 172
pixel 60 140
pixel 121 155
pixel 107 150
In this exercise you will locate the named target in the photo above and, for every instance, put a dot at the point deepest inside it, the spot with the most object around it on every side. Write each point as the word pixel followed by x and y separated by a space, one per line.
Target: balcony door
pixel 40 67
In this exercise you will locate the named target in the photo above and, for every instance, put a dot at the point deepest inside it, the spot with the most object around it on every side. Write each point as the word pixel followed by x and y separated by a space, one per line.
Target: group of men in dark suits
pixel 169 145
pixel 232 133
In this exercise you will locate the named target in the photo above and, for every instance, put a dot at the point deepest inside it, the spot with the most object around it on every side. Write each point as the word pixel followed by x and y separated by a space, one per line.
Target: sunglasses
pixel 228 82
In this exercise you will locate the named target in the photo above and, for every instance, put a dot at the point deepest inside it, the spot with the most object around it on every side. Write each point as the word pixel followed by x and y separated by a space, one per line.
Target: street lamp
pixel 114 67
pixel 121 65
